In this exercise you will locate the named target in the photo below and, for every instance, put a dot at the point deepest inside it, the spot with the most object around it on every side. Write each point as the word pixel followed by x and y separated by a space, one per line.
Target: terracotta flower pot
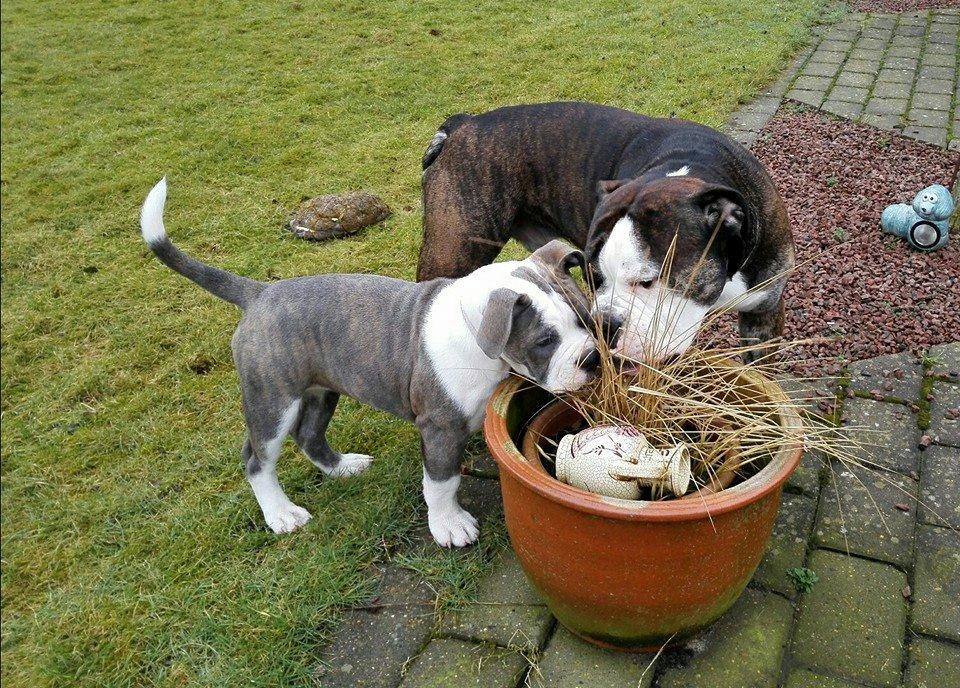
pixel 630 575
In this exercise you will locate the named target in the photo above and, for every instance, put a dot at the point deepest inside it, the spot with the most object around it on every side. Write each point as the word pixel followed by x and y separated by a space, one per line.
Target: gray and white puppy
pixel 430 352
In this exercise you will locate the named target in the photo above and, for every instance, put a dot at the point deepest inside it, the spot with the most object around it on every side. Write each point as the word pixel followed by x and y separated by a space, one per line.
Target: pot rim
pixel 510 459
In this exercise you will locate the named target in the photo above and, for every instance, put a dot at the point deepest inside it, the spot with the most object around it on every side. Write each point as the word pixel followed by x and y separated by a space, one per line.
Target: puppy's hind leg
pixel 311 436
pixel 268 427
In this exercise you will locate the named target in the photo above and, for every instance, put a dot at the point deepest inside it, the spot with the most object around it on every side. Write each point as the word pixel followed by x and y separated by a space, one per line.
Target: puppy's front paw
pixel 453 527
pixel 287 518
pixel 351 464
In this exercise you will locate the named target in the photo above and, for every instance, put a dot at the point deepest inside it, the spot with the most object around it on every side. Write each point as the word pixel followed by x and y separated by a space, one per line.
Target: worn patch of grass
pixel 133 552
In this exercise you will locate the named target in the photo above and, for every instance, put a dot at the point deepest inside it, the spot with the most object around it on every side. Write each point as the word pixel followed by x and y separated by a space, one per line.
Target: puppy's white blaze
pixel 682 172
pixel 738 296
pixel 151 214
pixel 450 524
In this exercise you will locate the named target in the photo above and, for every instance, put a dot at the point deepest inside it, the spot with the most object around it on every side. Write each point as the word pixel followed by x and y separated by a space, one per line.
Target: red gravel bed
pixel 901 5
pixel 866 290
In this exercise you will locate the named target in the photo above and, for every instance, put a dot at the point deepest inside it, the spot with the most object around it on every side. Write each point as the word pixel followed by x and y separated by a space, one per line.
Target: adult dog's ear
pixel 615 198
pixel 560 255
pixel 727 212
pixel 502 309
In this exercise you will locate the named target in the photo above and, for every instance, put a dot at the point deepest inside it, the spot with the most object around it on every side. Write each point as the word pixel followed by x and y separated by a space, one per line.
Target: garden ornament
pixel 925 223
pixel 618 461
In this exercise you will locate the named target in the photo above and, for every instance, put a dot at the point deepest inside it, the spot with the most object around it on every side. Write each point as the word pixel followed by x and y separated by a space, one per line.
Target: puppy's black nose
pixel 610 328
pixel 590 361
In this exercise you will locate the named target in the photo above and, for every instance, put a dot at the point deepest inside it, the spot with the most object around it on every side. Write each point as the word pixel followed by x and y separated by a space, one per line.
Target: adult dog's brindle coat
pixel 618 185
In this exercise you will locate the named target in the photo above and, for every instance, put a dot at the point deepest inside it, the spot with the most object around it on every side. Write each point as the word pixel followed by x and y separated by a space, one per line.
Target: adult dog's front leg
pixel 757 327
pixel 450 524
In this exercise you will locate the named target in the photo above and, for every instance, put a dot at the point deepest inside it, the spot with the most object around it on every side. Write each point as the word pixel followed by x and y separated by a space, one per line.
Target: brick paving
pixel 886 610
pixel 893 71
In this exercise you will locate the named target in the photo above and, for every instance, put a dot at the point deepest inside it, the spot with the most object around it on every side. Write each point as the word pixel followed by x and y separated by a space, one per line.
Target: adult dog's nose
pixel 590 361
pixel 610 328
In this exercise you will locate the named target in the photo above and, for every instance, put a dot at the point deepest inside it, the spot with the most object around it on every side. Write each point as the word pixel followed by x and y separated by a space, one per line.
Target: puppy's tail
pixel 237 290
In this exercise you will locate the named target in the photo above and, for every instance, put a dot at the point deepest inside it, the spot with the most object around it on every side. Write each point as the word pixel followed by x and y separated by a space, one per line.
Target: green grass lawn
pixel 133 550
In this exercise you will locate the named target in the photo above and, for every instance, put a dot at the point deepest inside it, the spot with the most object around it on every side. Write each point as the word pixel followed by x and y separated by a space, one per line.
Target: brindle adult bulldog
pixel 621 186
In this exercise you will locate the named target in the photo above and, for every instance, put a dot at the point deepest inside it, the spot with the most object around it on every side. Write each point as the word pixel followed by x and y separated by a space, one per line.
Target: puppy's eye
pixel 544 341
pixel 641 284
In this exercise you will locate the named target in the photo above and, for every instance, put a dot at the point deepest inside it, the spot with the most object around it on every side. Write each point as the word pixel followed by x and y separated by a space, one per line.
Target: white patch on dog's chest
pixel 737 295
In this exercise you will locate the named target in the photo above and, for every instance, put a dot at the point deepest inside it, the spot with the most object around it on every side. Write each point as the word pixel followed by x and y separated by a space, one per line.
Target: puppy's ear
pixel 560 255
pixel 502 309
pixel 728 213
pixel 613 205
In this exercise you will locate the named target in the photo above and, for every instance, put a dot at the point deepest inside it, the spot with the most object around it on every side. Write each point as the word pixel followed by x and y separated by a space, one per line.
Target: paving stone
pixel 849 94
pixel 931 101
pixel 743 649
pixel 900 63
pixel 831 57
pixel 396 585
pixel 887 106
pixel 866 520
pixel 787 547
pixel 941 48
pixel 864 66
pixel 885 89
pixel 746 119
pixel 936 73
pixel 743 136
pixel 936 594
pixel 901 76
pixel 801 678
pixel 894 375
pixel 569 662
pixel 508 612
pixel 842 35
pixel 860 54
pixel 848 110
pixel 834 45
pixel 855 79
pixel 944 428
pixel 889 435
pixel 820 69
pixel 938 60
pixel 935 135
pixel 933 664
pixel 806 479
pixel 873 32
pixel 940 486
pixel 871 44
pixel 369 650
pixel 450 663
pixel 944 359
pixel 812 83
pixel 851 624
pixel 934 86
pixel 881 121
pixel 879 21
pixel 813 98
pixel 912 51
pixel 908 31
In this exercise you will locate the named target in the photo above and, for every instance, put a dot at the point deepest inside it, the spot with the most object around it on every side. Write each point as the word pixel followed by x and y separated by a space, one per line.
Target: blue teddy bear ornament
pixel 924 224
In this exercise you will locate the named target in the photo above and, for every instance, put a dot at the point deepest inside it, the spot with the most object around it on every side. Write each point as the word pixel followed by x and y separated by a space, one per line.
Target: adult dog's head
pixel 659 295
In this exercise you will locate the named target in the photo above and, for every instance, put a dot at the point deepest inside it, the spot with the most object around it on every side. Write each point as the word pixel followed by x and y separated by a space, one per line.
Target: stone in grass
pixel 889 433
pixel 896 375
pixel 933 664
pixel 945 414
pixel 801 678
pixel 936 594
pixel 940 486
pixel 743 649
pixel 327 217
pixel 851 624
pixel 569 662
pixel 368 649
pixel 874 515
pixel 788 543
pixel 448 663
pixel 508 611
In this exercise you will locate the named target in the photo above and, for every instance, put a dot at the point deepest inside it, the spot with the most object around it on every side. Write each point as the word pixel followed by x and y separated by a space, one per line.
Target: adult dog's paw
pixel 453 527
pixel 350 464
pixel 287 518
